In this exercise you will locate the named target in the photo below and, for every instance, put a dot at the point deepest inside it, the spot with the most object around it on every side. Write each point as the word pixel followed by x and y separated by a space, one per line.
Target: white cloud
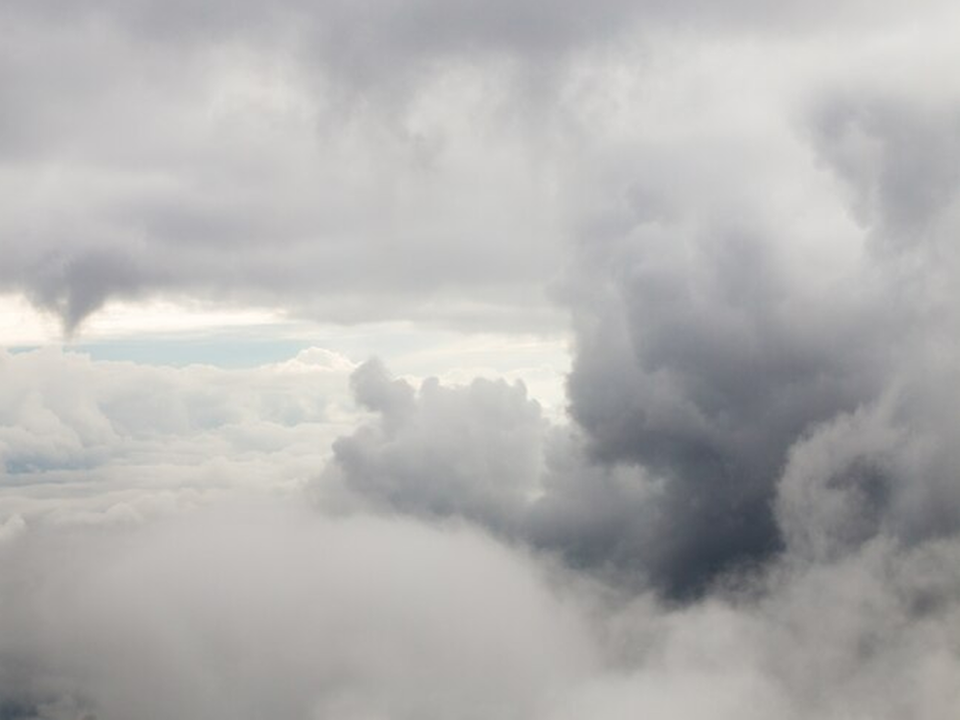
pixel 78 435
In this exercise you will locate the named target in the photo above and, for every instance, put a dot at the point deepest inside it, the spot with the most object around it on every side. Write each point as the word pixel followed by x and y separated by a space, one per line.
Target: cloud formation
pixel 721 323
pixel 344 161
pixel 740 277
pixel 89 441
pixel 749 213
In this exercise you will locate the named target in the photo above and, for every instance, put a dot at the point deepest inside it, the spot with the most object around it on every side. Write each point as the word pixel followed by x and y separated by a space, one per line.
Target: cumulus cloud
pixel 100 441
pixel 484 452
pixel 739 274
pixel 855 615
pixel 724 317
pixel 471 451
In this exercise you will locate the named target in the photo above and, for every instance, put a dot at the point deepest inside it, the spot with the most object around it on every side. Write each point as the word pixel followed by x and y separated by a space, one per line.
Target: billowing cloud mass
pixel 724 325
pixel 746 214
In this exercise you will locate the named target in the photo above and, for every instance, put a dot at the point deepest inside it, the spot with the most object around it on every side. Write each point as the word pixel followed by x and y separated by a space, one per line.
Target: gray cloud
pixel 398 160
pixel 473 451
pixel 733 372
pixel 895 155
pixel 887 470
pixel 717 331
pixel 854 616
pixel 485 453
pixel 720 344
pixel 134 172
pixel 705 369
pixel 241 607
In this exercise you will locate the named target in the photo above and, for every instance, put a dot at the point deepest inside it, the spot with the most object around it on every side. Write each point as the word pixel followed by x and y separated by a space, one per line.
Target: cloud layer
pixel 268 608
pixel 96 442
pixel 371 161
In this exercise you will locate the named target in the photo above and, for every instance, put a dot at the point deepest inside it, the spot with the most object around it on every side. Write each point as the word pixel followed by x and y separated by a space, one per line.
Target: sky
pixel 369 360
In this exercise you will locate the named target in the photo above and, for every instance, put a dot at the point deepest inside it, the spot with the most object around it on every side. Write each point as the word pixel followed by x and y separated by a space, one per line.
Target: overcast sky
pixel 367 359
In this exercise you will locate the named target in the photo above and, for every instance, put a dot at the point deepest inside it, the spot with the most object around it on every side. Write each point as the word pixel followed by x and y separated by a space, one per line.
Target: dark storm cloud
pixel 711 344
pixel 722 335
pixel 706 369
pixel 825 464
pixel 485 453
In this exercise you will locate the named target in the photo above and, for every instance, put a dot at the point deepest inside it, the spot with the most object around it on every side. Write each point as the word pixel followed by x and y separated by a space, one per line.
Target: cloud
pixel 392 605
pixel 343 161
pixel 484 452
pixel 472 451
pixel 887 470
pixel 249 608
pixel 721 462
pixel 855 615
pixel 727 311
pixel 82 440
pixel 748 213
pixel 165 149
pixel 268 609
